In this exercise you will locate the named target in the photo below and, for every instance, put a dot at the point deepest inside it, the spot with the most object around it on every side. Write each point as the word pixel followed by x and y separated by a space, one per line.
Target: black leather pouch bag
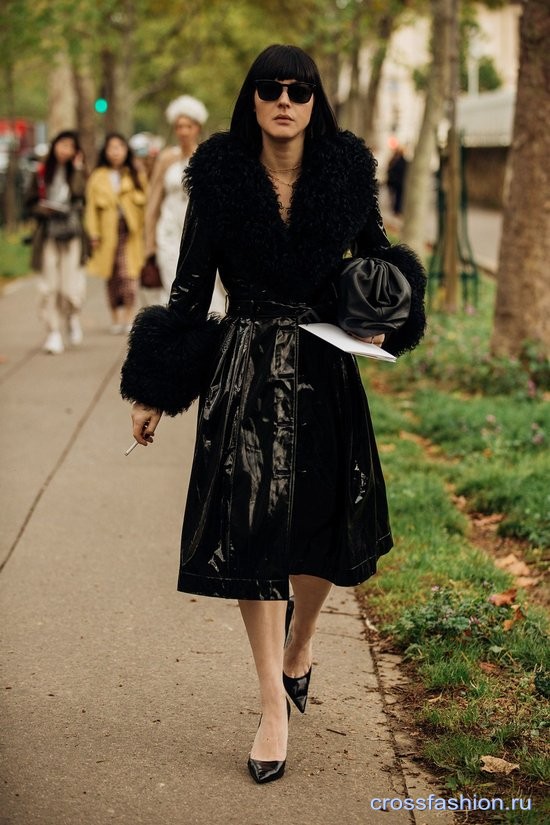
pixel 374 297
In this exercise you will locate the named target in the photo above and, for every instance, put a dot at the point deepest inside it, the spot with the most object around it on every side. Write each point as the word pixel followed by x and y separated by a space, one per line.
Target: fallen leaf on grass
pixel 491 764
pixel 489 667
pixel 416 439
pixel 507 597
pixel 490 521
pixel 507 624
pixel 526 581
pixel 386 448
pixel 513 565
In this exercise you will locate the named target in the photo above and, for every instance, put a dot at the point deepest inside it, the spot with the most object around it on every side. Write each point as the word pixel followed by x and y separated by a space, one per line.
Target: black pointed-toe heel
pixel 262 770
pixel 297 689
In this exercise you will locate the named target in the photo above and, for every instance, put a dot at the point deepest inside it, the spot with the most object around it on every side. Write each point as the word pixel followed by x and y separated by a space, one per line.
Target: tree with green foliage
pixel 435 80
pixel 113 48
pixel 419 173
pixel 338 33
pixel 19 25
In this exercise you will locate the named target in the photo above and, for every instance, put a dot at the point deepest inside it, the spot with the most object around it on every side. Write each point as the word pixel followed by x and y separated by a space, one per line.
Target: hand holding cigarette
pixel 145 420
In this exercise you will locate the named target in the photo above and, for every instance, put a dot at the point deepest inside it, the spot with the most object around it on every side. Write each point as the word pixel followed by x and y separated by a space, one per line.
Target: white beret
pixel 187 106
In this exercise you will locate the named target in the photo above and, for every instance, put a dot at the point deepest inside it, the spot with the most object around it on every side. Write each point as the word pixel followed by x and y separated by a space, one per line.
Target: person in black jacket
pixel 397 171
pixel 286 482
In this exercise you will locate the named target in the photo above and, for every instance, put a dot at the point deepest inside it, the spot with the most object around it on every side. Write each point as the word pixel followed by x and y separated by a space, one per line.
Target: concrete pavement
pixel 484 230
pixel 124 701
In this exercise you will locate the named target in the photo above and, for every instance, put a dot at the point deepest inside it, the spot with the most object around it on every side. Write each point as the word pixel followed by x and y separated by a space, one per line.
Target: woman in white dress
pixel 167 202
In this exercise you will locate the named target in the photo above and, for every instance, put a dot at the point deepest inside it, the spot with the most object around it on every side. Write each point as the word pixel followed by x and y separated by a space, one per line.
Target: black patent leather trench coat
pixel 286 477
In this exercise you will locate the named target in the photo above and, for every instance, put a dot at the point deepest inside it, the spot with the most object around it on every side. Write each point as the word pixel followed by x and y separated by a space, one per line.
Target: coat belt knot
pixel 302 313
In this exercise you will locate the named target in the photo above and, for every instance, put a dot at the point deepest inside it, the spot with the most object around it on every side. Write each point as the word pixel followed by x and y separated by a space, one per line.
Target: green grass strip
pixel 431 595
pixel 14 254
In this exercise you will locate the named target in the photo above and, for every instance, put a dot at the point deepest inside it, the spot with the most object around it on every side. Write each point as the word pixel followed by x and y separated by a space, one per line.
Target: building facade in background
pixel 485 118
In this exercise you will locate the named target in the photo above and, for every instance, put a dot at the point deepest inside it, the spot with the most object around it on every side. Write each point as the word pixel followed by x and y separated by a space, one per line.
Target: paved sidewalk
pixel 484 230
pixel 124 701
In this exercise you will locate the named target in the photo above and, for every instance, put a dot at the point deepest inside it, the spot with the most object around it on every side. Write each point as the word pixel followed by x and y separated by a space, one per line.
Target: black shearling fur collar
pixel 333 200
pixel 334 205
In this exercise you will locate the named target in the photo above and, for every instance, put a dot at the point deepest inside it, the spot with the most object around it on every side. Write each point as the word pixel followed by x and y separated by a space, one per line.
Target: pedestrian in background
pixel 114 219
pixel 167 199
pixel 286 481
pixel 395 179
pixel 59 244
pixel 145 147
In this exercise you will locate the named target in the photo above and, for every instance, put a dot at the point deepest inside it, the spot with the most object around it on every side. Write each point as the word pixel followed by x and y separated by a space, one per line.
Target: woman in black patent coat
pixel 286 482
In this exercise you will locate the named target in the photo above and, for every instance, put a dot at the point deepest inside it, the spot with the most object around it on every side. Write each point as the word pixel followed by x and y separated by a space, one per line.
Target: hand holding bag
pixel 374 297
pixel 150 274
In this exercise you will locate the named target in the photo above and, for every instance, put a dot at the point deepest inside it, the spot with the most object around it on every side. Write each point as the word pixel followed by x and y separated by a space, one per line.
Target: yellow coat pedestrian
pixel 101 221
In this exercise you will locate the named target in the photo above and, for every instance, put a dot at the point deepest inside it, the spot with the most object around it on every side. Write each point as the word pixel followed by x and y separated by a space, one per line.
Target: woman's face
pixel 116 152
pixel 64 150
pixel 282 119
pixel 187 130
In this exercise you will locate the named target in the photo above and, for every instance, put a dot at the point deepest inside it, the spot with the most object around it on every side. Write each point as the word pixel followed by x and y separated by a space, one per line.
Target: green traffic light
pixel 101 105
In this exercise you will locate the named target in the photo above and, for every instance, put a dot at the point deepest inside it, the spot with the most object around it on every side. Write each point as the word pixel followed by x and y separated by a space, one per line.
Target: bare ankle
pixel 301 636
pixel 274 705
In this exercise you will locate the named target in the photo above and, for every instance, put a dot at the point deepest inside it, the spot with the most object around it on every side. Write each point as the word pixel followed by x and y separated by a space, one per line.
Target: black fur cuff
pixel 410 334
pixel 169 361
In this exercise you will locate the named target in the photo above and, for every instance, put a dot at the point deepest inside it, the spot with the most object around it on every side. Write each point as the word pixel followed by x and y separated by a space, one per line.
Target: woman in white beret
pixel 167 201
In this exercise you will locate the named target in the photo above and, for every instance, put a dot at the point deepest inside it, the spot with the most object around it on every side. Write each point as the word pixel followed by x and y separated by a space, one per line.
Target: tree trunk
pixel 370 99
pixel 10 189
pixel 115 86
pixel 522 310
pixel 85 96
pixel 9 206
pixel 61 97
pixel 109 91
pixel 350 108
pixel 418 190
pixel 330 73
pixel 352 103
pixel 117 72
pixel 452 178
pixel 122 79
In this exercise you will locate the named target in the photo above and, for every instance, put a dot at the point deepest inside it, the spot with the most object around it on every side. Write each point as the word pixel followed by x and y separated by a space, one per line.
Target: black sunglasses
pixel 272 90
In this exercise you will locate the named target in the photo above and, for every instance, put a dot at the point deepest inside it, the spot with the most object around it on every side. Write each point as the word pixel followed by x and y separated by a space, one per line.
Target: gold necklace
pixel 272 174
pixel 291 169
pixel 284 182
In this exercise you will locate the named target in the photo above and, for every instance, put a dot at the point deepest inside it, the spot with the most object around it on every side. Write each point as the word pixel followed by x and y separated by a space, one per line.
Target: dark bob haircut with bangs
pixel 281 63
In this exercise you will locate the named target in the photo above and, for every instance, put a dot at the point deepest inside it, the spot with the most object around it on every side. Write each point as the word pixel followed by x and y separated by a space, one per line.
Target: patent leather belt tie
pixel 303 313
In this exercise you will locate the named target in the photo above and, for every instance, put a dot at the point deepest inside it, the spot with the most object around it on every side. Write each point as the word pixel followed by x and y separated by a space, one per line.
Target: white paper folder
pixel 338 338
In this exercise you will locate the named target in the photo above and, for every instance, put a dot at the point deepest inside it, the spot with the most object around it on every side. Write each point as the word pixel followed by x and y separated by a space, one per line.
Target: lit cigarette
pixel 129 450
